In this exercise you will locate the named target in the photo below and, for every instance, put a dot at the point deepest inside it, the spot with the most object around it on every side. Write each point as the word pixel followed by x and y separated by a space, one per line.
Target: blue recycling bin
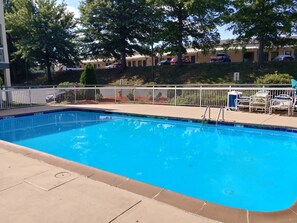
pixel 231 100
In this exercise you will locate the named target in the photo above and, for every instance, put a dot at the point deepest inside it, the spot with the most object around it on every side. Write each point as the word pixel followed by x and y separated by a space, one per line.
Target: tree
pixel 114 28
pixel 43 32
pixel 88 76
pixel 190 23
pixel 269 22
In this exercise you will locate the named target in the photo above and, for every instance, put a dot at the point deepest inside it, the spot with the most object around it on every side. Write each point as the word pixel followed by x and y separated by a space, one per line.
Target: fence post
pixel 175 95
pixel 30 96
pixel 200 104
pixel 153 94
pixel 95 93
pixel 134 95
pixel 74 95
pixel 54 94
pixel 115 94
pixel 1 100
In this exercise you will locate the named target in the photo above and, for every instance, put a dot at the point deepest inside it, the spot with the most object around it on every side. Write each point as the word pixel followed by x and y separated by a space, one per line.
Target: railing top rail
pixel 155 85
pixel 161 88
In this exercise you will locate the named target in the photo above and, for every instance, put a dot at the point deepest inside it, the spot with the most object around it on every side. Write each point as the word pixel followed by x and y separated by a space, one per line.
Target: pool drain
pixel 62 175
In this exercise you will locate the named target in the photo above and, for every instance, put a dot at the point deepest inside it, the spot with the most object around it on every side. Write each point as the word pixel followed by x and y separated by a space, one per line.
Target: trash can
pixel 231 100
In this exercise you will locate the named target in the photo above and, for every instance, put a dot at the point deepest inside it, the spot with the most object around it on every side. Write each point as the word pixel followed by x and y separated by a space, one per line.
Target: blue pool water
pixel 247 168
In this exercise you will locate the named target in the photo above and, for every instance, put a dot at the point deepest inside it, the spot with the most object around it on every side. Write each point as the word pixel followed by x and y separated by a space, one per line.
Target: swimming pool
pixel 240 167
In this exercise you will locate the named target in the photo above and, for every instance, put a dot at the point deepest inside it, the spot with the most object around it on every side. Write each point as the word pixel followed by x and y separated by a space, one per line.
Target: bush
pixel 158 96
pixel 170 93
pixel 88 76
pixel 274 79
pixel 99 97
pixel 130 95
pixel 69 84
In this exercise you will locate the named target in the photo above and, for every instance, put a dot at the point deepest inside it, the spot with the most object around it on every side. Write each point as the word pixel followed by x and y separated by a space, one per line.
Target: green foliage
pixel 192 97
pixel 114 29
pixel 1 81
pixel 88 76
pixel 271 23
pixel 190 24
pixel 69 84
pixel 274 79
pixel 203 73
pixel 171 93
pixel 42 32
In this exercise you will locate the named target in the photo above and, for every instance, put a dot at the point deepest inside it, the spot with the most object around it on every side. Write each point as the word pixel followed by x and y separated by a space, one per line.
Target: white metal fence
pixel 213 96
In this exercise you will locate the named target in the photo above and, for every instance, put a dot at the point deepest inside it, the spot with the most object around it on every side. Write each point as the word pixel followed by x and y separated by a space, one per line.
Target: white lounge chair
pixel 281 102
pixel 260 101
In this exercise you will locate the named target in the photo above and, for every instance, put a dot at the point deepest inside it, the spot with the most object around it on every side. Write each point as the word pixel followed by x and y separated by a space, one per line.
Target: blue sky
pixel 74 4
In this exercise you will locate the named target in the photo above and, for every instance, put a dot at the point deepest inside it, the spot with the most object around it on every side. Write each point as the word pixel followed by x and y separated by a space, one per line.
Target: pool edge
pixel 207 209
pixel 189 204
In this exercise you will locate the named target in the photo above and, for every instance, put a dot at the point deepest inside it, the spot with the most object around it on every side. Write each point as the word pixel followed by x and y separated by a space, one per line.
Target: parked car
pixel 283 58
pixel 164 62
pixel 184 61
pixel 220 58
pixel 114 65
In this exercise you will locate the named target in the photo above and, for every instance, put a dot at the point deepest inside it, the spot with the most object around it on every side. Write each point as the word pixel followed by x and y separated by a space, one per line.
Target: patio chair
pixel 281 102
pixel 242 102
pixel 260 101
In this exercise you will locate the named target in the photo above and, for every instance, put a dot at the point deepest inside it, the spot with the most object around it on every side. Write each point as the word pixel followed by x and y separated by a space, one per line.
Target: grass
pixel 188 74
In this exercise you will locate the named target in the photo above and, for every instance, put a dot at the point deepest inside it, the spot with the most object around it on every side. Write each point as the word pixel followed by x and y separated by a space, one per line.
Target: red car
pixel 174 61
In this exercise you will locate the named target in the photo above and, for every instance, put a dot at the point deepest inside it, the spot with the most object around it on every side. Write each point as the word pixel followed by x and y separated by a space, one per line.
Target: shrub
pixel 274 79
pixel 170 93
pixel 158 96
pixel 69 84
pixel 130 95
pixel 99 97
pixel 88 76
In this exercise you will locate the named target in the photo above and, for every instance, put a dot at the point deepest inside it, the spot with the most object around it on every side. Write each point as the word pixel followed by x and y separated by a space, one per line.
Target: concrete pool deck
pixel 37 187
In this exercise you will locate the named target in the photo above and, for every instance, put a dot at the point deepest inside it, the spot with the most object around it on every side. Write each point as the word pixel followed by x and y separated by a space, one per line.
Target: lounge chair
pixel 242 102
pixel 260 101
pixel 281 102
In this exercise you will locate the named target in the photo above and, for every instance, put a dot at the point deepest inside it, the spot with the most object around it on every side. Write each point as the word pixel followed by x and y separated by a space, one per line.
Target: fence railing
pixel 199 96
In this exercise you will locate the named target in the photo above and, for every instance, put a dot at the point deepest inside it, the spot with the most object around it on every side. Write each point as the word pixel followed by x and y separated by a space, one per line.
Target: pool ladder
pixel 220 114
pixel 203 116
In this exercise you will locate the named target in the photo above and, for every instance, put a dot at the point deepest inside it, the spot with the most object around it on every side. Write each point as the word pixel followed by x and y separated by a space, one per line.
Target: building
pixel 249 53
pixel 4 60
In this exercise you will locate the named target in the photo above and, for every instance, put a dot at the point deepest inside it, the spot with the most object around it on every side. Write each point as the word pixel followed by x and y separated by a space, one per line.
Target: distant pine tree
pixel 88 76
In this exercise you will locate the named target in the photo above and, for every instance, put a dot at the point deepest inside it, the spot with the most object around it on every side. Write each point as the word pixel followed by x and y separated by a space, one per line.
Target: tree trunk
pixel 152 54
pixel 123 60
pixel 48 68
pixel 123 55
pixel 180 37
pixel 261 53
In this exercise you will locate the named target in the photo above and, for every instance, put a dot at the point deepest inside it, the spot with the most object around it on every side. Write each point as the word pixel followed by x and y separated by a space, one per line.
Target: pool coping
pixel 193 205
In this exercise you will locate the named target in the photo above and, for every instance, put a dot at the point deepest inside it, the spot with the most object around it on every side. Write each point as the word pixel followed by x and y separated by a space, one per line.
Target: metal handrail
pixel 204 114
pixel 221 111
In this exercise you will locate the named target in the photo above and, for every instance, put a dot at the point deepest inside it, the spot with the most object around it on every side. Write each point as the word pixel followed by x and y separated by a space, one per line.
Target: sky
pixel 73 5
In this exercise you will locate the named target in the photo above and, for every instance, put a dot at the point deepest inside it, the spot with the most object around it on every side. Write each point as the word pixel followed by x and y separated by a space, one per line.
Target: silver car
pixel 283 58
